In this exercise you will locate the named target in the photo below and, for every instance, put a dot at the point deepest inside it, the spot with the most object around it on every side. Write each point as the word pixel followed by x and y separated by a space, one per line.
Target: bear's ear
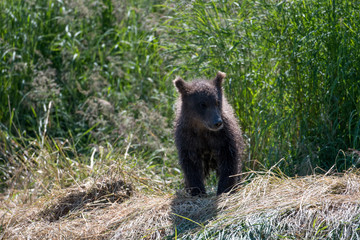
pixel 219 79
pixel 181 85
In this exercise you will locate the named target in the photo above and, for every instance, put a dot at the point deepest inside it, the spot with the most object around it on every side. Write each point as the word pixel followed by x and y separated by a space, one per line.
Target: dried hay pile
pixel 268 206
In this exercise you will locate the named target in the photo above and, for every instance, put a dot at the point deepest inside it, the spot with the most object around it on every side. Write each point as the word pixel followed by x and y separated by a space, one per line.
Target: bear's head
pixel 201 102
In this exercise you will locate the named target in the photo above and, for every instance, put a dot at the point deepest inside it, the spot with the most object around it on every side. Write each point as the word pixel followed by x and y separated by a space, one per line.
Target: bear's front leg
pixel 226 182
pixel 193 173
pixel 227 169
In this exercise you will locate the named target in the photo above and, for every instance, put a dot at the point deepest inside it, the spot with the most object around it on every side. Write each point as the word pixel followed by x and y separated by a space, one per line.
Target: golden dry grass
pixel 304 207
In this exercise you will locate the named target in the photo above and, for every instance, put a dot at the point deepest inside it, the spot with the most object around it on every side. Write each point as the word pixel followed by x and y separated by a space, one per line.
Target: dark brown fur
pixel 207 135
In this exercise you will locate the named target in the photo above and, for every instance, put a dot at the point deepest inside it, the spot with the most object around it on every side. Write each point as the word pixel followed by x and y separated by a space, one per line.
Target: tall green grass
pixel 76 51
pixel 293 75
pixel 80 76
pixel 97 74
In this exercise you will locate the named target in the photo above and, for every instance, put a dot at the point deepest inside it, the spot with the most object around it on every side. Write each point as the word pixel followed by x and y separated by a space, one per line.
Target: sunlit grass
pixel 78 77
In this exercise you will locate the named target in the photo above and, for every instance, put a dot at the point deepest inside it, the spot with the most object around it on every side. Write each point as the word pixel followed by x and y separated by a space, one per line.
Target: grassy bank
pixel 86 95
pixel 272 206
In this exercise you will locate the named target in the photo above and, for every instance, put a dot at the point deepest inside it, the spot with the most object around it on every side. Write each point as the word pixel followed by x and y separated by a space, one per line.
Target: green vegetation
pixel 86 87
pixel 79 79
pixel 293 75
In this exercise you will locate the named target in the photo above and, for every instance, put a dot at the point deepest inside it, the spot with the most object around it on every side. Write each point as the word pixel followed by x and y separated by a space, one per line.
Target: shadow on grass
pixel 96 196
pixel 192 212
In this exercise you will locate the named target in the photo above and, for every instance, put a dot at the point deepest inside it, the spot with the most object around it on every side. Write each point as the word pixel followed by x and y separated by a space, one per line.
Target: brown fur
pixel 207 135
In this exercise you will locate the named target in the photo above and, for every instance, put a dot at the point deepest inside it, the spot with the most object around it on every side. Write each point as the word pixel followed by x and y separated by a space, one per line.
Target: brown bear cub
pixel 207 135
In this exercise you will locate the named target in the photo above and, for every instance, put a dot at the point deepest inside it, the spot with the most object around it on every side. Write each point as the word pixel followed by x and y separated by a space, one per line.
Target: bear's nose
pixel 218 123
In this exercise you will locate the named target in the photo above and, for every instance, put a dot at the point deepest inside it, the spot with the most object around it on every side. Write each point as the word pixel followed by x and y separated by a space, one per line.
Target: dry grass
pixel 270 205
pixel 306 208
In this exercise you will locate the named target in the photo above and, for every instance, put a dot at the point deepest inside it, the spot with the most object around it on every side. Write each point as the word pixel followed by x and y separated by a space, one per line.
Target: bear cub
pixel 207 135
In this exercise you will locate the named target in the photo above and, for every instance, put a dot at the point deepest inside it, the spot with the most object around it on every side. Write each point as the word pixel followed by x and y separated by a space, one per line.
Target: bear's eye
pixel 217 103
pixel 203 105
